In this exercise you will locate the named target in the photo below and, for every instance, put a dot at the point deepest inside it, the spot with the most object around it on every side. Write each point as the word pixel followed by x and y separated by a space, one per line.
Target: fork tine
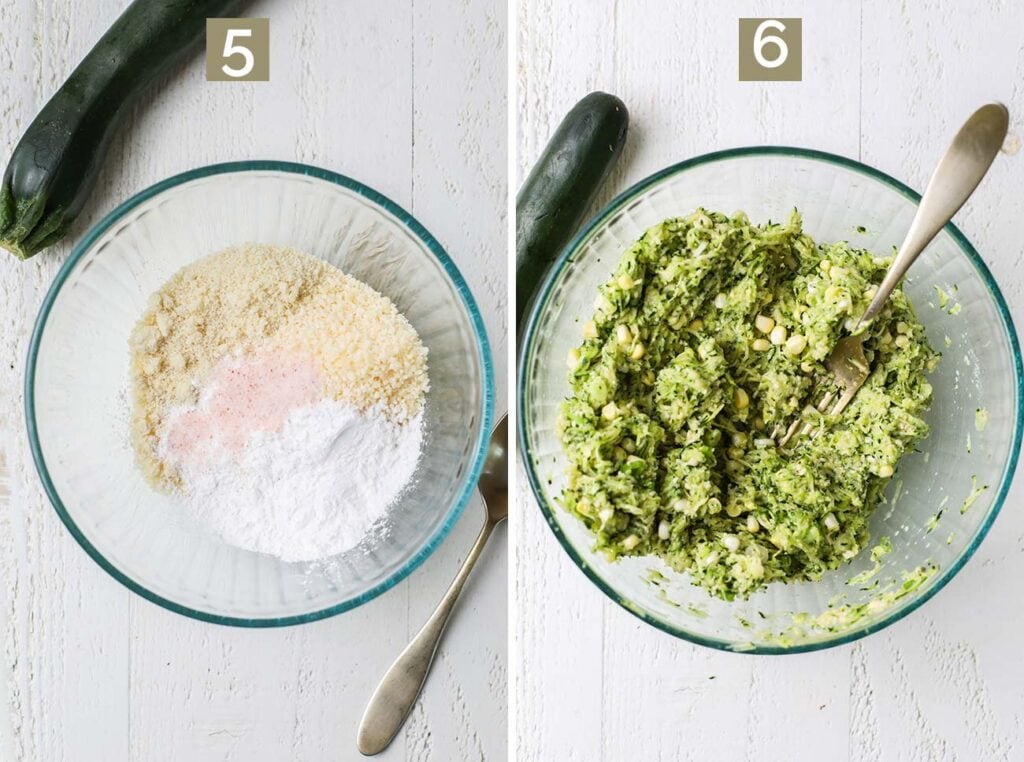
pixel 840 406
pixel 799 426
pixel 842 402
pixel 778 431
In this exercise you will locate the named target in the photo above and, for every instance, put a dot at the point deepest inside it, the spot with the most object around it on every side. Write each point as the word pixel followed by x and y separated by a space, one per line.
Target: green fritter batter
pixel 711 331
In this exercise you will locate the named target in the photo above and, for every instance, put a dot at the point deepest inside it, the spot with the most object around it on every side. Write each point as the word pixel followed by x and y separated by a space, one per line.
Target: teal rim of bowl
pixel 540 303
pixel 471 474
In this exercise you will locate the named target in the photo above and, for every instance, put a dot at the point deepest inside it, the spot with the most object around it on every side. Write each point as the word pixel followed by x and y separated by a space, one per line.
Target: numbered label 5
pixel 771 50
pixel 238 50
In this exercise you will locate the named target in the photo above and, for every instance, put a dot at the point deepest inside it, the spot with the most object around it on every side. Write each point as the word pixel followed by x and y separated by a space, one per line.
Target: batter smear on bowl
pixel 280 398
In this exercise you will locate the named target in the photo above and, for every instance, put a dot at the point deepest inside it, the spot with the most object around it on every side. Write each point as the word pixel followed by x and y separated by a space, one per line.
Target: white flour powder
pixel 312 489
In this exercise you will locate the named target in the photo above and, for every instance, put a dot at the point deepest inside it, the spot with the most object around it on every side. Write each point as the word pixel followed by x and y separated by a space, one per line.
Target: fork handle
pixel 957 175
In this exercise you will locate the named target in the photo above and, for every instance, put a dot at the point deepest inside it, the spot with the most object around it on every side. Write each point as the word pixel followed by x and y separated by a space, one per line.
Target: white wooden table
pixel 408 98
pixel 884 82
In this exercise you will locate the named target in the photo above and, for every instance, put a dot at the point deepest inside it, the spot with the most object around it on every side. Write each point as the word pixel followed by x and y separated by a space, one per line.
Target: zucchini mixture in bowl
pixel 711 332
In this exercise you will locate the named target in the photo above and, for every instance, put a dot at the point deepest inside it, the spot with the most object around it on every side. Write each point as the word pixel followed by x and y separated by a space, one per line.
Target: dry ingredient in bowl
pixel 280 398
pixel 711 331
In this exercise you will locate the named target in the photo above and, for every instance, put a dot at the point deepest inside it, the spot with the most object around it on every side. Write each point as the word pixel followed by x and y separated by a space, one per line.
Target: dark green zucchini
pixel 562 187
pixel 54 166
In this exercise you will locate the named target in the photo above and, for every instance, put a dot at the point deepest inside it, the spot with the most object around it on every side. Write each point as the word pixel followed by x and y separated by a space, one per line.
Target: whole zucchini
pixel 563 185
pixel 54 166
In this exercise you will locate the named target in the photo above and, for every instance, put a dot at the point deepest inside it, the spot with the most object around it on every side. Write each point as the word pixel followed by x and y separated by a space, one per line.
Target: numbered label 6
pixel 238 50
pixel 771 50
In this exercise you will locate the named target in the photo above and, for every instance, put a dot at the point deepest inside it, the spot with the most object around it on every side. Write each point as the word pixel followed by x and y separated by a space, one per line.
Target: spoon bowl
pixel 493 484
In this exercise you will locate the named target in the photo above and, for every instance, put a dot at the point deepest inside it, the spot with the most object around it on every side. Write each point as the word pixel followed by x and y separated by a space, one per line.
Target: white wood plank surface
pixel 884 82
pixel 409 98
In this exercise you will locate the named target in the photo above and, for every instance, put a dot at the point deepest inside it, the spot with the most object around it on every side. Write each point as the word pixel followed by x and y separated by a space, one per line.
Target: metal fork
pixel 957 175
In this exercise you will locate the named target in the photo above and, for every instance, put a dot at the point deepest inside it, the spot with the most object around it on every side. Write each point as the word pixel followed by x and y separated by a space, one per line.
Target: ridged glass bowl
pixel 840 199
pixel 77 409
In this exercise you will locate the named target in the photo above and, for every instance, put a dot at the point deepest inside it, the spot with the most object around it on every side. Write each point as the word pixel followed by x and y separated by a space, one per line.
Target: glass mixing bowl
pixel 840 199
pixel 76 405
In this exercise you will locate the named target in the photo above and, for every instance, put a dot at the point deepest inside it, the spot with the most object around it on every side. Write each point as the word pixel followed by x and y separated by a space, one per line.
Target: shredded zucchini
pixel 711 331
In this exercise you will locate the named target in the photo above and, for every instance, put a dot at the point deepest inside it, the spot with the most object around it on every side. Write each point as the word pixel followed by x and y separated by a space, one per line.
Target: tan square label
pixel 771 50
pixel 238 50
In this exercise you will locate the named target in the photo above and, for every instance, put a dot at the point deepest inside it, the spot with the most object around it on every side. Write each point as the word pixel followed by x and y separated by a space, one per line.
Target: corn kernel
pixel 761 345
pixel 622 334
pixel 795 344
pixel 885 471
pixel 740 399
pixel 638 351
pixel 777 335
pixel 625 281
pixel 764 324
pixel 590 330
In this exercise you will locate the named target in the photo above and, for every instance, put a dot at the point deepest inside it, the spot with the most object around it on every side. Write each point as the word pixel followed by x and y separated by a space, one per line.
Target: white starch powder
pixel 311 489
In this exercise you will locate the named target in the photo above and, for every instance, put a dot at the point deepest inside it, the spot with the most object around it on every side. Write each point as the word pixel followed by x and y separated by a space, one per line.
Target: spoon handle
pixel 394 698
pixel 957 175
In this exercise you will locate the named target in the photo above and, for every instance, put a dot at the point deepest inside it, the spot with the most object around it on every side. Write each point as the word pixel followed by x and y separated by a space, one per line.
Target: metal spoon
pixel 394 698
pixel 956 176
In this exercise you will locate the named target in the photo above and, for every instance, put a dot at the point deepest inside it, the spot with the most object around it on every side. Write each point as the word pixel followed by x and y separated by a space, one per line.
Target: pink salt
pixel 244 395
